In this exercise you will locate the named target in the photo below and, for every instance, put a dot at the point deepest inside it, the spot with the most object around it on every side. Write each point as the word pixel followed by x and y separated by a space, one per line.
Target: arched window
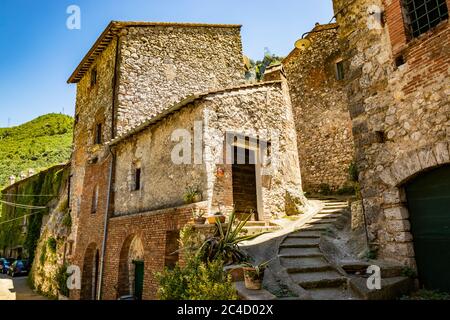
pixel 94 204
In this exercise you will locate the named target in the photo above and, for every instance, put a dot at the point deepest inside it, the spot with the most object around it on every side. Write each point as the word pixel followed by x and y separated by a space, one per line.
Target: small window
pixel 425 14
pixel 340 70
pixel 98 134
pixel 137 179
pixel 93 77
pixel 94 200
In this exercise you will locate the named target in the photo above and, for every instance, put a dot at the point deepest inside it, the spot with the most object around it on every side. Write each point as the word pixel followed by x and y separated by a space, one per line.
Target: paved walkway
pixel 17 289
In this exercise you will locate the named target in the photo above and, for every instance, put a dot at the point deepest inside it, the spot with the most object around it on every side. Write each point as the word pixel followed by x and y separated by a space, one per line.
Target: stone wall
pixel 400 113
pixel 319 101
pixel 160 65
pixel 262 111
pixel 94 105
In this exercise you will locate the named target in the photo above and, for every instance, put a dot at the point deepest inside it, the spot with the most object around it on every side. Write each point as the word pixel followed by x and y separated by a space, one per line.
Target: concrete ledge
pixel 246 294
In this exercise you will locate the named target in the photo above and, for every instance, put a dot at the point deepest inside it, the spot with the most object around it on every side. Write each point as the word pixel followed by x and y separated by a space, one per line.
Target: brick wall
pixel 151 228
pixel 90 228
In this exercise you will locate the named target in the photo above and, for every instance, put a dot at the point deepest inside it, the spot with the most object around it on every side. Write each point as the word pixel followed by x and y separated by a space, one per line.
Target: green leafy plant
pixel 43 255
pixel 198 280
pixel 353 172
pixel 409 272
pixel 325 189
pixel 257 269
pixel 225 244
pixel 67 220
pixel 427 295
pixel 61 277
pixel 52 244
pixel 198 213
pixel 191 194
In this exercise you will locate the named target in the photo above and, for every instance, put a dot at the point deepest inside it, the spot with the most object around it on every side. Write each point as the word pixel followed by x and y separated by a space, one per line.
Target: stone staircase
pixel 258 227
pixel 300 255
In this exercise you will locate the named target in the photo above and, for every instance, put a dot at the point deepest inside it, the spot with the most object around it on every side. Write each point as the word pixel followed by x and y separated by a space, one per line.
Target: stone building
pixel 316 85
pixel 145 132
pixel 398 87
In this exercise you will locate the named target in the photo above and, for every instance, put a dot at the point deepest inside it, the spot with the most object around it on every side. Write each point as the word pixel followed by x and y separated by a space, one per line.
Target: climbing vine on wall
pixel 38 190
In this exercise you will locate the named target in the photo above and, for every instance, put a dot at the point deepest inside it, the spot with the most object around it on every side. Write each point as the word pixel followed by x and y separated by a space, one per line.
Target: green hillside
pixel 38 144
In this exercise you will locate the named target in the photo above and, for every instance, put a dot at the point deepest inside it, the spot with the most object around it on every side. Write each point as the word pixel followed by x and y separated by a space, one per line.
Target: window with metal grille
pixel 425 14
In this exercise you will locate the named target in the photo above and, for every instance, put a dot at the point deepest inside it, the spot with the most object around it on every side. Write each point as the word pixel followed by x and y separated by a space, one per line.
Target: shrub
pixel 60 279
pixel 196 281
pixel 51 244
pixel 67 220
pixel 325 189
pixel 353 172
pixel 43 255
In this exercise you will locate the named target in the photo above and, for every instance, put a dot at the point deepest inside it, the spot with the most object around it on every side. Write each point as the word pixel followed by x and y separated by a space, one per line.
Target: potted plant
pixel 198 215
pixel 218 216
pixel 254 275
pixel 192 195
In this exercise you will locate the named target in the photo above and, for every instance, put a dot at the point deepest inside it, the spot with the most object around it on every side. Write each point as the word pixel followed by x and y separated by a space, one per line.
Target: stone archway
pixel 132 252
pixel 398 242
pixel 89 278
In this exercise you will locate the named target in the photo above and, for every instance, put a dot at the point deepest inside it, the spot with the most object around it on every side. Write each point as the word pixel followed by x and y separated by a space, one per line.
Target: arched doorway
pixel 131 268
pixel 89 278
pixel 428 197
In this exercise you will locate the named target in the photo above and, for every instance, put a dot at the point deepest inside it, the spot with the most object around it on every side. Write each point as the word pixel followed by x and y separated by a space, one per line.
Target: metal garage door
pixel 428 198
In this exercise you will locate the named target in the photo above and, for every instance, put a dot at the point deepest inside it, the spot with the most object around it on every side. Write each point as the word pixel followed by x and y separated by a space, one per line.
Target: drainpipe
pixel 111 167
pixel 105 226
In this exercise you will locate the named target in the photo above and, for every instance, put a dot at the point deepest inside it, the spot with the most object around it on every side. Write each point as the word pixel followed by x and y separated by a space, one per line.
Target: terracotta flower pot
pixel 201 220
pixel 251 280
pixel 213 219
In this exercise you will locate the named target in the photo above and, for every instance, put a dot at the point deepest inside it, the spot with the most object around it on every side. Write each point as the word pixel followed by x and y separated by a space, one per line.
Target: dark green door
pixel 138 279
pixel 428 198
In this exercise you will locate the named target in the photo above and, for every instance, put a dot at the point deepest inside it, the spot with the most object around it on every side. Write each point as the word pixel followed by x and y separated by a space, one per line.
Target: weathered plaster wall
pixel 265 112
pixel 319 101
pixel 262 111
pixel 163 182
pixel 160 65
pixel 400 115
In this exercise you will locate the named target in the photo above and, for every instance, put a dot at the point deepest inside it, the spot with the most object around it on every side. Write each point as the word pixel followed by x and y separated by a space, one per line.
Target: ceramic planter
pixel 213 219
pixel 251 280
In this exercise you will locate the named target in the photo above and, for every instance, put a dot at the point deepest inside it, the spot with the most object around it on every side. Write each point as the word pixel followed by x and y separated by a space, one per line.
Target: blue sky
pixel 38 53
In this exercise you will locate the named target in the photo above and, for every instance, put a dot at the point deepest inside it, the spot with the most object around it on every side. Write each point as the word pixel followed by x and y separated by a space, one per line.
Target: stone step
pixel 317 227
pixel 336 207
pixel 296 253
pixel 327 217
pixel 300 243
pixel 335 203
pixel 337 293
pixel 323 279
pixel 304 262
pixel 328 211
pixel 253 230
pixel 260 224
pixel 322 221
pixel 305 234
pixel 296 270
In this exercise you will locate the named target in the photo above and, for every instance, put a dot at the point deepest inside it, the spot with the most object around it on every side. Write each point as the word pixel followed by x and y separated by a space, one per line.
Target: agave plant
pixel 225 244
